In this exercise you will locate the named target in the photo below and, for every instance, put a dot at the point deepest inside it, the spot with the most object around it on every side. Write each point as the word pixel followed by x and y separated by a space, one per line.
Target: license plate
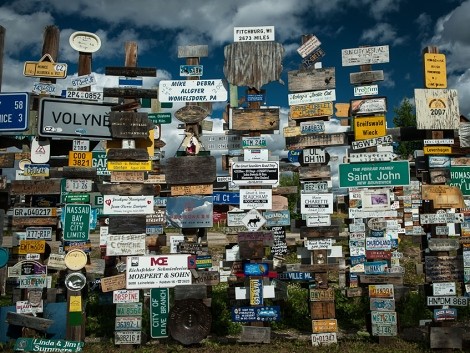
pixel 95 96
pixel 80 159
pixel 39 233
pixel 127 337
pixel 77 185
pixel 128 309
pixel 34 212
pixel 324 338
pixel 36 170
pixel 128 323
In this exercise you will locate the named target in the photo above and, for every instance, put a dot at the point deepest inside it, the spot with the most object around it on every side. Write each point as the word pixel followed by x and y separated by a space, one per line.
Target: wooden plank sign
pixel 437 109
pixel 190 170
pixel 325 325
pixel 130 125
pixel 196 189
pixel 122 224
pixel 254 119
pixel 7 160
pixel 359 78
pixel 128 177
pixel 368 105
pixel 35 187
pixel 312 110
pixel 314 140
pixel 311 79
pixel 126 189
pixel 135 154
pixel 241 66
pixel 190 114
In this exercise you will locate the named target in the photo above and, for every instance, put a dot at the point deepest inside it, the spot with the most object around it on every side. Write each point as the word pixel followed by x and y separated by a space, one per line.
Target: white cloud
pixel 382 33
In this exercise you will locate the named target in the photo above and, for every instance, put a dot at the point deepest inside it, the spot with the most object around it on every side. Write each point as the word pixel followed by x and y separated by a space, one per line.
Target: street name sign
pixel 374 175
pixel 14 111
pixel 72 118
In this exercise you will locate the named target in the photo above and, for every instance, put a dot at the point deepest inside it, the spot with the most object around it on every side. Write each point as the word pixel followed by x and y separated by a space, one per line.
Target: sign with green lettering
pixel 159 308
pixel 76 221
pixel 47 345
pixel 356 175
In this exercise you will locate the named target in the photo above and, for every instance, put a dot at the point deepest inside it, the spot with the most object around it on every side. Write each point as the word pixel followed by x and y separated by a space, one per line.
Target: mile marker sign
pixel 14 109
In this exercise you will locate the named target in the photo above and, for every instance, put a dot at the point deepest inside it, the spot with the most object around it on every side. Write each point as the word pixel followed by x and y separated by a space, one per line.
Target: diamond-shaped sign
pixel 253 220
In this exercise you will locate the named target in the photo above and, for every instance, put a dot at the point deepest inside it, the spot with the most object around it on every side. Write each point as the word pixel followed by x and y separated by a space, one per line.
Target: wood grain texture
pixel 190 170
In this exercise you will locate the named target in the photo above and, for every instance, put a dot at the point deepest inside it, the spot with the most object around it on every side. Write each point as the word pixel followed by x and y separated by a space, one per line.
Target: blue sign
pixel 293 156
pixel 277 218
pixel 255 269
pixel 127 81
pixel 14 110
pixel 255 97
pixel 226 198
pixel 250 313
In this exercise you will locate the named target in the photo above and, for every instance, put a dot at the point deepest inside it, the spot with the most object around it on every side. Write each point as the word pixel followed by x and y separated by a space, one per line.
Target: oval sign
pixel 85 42
pixel 377 224
pixel 191 114
pixel 75 259
pixel 75 281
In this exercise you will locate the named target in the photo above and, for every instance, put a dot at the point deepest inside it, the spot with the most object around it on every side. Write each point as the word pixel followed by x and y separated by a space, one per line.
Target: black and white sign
pixel 250 173
pixel 316 203
pixel 253 220
pixel 256 198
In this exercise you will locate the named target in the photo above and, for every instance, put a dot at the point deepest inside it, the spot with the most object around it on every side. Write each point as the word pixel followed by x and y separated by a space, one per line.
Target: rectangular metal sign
pixel 374 175
pixel 365 55
pixel 327 95
pixel 192 91
pixel 14 111
pixel 250 173
pixel 159 310
pixel 72 118
pixel 253 34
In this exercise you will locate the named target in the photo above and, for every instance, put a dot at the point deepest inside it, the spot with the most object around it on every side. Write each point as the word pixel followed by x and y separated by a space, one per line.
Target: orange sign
pixel 435 74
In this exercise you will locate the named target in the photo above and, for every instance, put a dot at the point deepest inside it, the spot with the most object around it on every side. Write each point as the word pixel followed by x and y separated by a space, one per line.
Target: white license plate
pixel 127 337
pixel 128 323
pixel 72 185
pixel 319 339
pixel 39 233
pixel 34 212
pixel 95 96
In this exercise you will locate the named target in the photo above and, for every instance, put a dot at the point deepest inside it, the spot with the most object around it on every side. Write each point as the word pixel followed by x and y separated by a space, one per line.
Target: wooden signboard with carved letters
pixel 35 187
pixel 135 154
pixel 359 78
pixel 311 110
pixel 311 79
pixel 314 172
pixel 315 140
pixel 254 119
pixel 190 170
pixel 319 232
pixel 125 224
pixel 130 124
pixel 196 189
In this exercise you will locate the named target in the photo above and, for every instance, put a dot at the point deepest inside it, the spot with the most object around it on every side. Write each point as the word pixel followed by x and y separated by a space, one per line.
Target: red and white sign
pixel 163 271
pixel 125 296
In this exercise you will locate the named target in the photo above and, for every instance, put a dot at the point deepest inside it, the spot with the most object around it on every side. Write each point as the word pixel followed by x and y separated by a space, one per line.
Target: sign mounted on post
pixel 437 109
pixel 253 34
pixel 435 74
pixel 77 222
pixel 192 91
pixel 45 68
pixel 365 55
pixel 374 175
pixel 249 173
pixel 14 111
pixel 70 118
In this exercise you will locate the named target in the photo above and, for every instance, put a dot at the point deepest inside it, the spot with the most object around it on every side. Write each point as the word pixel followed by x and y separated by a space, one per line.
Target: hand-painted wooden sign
pixel 129 125
pixel 191 114
pixel 311 79
pixel 314 140
pixel 190 170
pixel 242 66
pixel 135 154
pixel 437 109
pixel 254 119
pixel 312 110
pixel 359 78
pixel 35 187
pixel 326 95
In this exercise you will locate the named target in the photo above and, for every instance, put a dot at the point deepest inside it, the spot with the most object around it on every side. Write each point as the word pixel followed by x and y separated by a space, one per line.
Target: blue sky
pixel 159 27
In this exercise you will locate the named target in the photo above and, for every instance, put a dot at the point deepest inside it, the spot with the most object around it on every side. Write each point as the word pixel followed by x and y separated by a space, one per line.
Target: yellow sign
pixel 32 247
pixel 80 159
pixel 290 131
pixel 435 74
pixel 370 127
pixel 325 325
pixel 437 150
pixel 43 68
pixel 75 303
pixel 129 165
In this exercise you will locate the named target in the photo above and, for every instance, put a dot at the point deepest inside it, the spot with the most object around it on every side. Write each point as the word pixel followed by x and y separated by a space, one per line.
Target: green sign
pixel 355 175
pixel 76 221
pixel 159 308
pixel 47 345
pixel 460 177
pixel 79 198
pixel 160 118
pixel 100 162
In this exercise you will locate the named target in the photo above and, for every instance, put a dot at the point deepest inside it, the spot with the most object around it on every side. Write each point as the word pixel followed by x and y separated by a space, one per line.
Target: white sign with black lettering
pixel 315 220
pixel 256 198
pixel 316 203
pixel 314 155
pixel 253 34
pixel 318 244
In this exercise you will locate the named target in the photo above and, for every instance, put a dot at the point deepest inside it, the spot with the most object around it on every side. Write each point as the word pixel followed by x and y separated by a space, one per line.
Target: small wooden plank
pixel 190 170
pixel 314 172
pixel 395 279
pixel 112 283
pixel 319 232
pixel 78 172
pixel 359 78
pixel 7 160
pixel 191 114
pixel 33 221
pixel 311 79
pixel 128 177
pixel 128 71
pixel 285 190
pixel 255 119
pixel 126 92
pixel 130 125
pixel 322 310
pixel 35 187
pixel 196 189
pixel 120 154
pixel 29 321
pixel 126 189
pixel 193 291
pixel 193 51
pixel 314 140
pixel 124 224
pixel 368 105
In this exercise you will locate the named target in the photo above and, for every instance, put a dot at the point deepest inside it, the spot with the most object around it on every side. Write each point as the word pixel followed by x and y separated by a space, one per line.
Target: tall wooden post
pixel 2 44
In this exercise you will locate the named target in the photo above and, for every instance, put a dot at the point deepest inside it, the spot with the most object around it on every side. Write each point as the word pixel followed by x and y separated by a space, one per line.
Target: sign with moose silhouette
pixel 253 220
